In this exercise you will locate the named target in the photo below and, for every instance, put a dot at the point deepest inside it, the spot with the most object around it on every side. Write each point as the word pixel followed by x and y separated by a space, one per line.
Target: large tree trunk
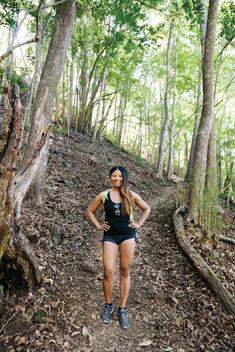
pixel 44 102
pixel 196 191
pixel 203 23
pixel 167 105
pixel 13 245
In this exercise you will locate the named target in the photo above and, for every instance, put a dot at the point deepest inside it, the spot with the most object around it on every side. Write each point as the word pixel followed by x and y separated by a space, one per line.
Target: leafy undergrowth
pixel 170 307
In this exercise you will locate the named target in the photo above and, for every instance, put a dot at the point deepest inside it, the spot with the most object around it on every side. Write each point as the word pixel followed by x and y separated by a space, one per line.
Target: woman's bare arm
pixel 95 204
pixel 145 210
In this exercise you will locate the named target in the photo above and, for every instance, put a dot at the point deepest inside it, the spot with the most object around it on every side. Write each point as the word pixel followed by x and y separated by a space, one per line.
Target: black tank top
pixel 118 223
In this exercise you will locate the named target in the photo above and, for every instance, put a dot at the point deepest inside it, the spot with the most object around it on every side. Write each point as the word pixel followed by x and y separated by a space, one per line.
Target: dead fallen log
pixel 226 239
pixel 205 271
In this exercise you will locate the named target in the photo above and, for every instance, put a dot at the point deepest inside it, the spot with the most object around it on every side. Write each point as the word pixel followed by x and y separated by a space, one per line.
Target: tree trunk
pixel 90 105
pixel 203 23
pixel 220 157
pixel 38 65
pixel 197 186
pixel 171 137
pixel 44 101
pixel 70 99
pixel 166 103
pixel 104 119
pixel 114 130
pixel 195 131
pixel 102 85
pixel 211 174
pixel 185 151
pixel 13 245
pixel 121 110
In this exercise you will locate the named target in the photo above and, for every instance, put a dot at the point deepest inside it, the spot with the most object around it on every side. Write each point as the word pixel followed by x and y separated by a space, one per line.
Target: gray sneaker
pixel 107 313
pixel 124 321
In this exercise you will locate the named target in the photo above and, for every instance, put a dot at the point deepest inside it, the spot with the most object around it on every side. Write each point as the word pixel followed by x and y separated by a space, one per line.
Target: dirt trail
pixel 171 309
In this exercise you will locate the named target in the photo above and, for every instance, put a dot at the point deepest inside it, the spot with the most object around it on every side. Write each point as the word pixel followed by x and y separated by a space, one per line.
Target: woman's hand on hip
pixel 134 225
pixel 103 227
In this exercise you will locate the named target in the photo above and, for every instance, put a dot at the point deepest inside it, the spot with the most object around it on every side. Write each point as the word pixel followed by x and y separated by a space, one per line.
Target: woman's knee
pixel 108 273
pixel 125 270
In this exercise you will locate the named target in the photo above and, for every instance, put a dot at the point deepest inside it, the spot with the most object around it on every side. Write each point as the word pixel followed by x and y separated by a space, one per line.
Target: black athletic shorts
pixel 118 239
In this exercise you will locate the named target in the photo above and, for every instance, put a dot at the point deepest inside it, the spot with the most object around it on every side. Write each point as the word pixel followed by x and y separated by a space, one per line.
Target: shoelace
pixel 107 308
pixel 124 313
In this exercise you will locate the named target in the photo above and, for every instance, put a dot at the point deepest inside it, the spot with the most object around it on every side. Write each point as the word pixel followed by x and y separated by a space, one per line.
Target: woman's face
pixel 116 178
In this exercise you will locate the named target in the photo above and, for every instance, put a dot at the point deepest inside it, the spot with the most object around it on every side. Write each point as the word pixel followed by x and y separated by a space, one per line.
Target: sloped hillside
pixel 170 307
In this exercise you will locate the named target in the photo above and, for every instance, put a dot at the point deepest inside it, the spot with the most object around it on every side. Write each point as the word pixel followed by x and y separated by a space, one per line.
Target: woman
pixel 119 236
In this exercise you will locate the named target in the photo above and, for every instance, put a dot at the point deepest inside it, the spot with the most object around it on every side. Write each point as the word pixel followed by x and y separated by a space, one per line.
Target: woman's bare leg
pixel 110 251
pixel 126 252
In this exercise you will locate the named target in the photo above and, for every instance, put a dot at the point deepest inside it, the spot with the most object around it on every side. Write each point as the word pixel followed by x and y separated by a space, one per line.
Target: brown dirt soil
pixel 171 308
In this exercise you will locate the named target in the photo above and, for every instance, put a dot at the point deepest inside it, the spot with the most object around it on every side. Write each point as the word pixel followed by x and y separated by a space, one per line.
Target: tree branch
pixel 224 47
pixel 10 51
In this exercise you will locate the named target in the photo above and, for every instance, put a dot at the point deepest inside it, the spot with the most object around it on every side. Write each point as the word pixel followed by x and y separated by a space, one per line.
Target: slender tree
pixel 197 186
pixel 166 104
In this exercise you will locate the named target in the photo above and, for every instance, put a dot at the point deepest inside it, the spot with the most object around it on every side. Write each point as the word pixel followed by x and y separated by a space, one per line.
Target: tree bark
pixel 197 185
pixel 211 174
pixel 195 130
pixel 13 244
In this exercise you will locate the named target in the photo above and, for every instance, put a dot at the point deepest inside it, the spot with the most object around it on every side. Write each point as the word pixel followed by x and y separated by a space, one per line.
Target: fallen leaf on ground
pixel 145 343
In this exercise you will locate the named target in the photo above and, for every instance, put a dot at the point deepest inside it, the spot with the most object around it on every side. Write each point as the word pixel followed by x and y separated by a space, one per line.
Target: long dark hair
pixel 127 199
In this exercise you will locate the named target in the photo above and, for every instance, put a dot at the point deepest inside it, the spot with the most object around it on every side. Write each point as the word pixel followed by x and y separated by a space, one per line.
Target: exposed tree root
pixel 19 266
pixel 26 252
pixel 205 271
pixel 226 239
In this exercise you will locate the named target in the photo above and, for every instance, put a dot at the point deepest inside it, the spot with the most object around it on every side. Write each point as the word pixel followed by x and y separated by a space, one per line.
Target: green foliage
pixel 9 9
pixel 140 160
pixel 60 129
pixel 192 10
pixel 211 219
pixel 227 20
pixel 18 79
